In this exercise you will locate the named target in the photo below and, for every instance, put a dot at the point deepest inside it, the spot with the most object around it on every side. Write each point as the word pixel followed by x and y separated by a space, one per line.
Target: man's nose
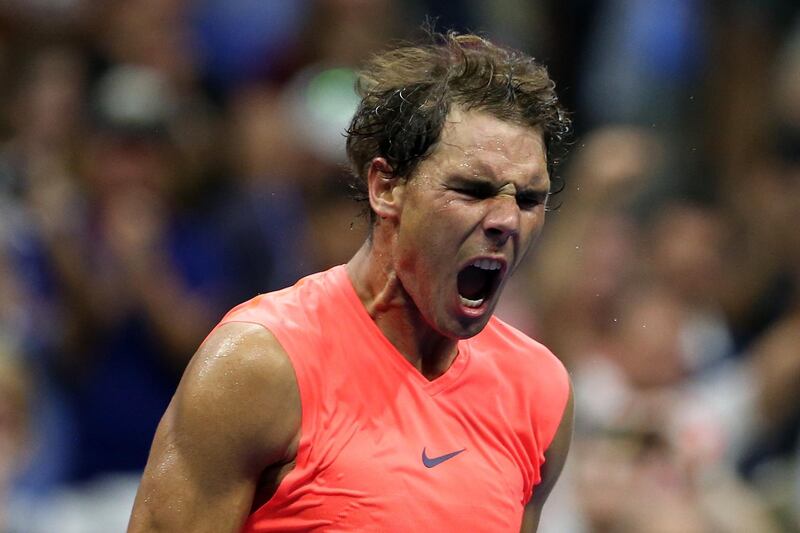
pixel 502 219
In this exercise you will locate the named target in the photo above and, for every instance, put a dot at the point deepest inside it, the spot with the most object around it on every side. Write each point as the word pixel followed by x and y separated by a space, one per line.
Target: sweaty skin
pixel 481 193
pixel 227 438
pixel 231 432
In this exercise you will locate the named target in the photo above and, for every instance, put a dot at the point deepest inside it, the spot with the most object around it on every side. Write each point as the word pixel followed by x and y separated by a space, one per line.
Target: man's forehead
pixel 474 132
pixel 475 138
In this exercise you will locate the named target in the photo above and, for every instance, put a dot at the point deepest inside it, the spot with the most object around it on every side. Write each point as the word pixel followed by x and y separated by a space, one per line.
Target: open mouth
pixel 478 281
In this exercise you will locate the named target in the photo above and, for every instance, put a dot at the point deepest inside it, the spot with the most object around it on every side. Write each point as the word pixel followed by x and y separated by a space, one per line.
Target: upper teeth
pixel 487 264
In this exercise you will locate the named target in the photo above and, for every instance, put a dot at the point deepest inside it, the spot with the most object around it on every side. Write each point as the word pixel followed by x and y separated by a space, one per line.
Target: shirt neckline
pixel 398 360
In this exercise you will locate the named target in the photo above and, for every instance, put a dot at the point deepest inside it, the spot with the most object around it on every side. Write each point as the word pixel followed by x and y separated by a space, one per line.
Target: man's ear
pixel 385 189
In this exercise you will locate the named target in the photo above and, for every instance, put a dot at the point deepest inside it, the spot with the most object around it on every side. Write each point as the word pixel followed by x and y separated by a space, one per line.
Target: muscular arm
pixel 236 412
pixel 555 457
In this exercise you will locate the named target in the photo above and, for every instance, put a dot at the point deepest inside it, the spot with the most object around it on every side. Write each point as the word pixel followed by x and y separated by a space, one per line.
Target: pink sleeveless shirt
pixel 384 449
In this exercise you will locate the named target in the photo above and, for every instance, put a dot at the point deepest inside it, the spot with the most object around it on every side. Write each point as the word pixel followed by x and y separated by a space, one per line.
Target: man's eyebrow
pixel 538 188
pixel 480 179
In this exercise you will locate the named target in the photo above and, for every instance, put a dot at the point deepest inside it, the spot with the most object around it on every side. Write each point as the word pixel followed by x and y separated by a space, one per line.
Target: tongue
pixel 472 282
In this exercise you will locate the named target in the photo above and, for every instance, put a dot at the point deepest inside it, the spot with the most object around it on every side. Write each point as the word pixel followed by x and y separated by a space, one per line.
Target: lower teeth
pixel 471 303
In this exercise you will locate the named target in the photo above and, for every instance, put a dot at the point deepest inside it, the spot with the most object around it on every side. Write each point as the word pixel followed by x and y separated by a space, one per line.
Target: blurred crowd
pixel 164 160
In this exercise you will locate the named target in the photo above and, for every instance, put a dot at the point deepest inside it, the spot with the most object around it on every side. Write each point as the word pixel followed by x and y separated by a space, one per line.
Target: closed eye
pixel 478 191
pixel 532 199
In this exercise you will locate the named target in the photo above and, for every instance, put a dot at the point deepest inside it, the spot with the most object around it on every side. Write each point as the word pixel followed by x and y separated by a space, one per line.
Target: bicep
pixel 555 457
pixel 181 489
pixel 236 412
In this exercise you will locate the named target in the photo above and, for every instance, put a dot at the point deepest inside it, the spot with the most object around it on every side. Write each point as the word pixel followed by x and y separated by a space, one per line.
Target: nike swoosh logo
pixel 430 462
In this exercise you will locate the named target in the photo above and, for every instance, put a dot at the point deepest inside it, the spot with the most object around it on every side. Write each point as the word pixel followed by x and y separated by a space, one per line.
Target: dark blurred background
pixel 163 160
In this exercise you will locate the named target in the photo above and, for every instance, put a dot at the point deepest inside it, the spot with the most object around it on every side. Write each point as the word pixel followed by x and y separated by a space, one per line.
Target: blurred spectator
pixel 242 41
pixel 263 217
pixel 642 59
pixel 686 252
pixel 133 263
pixel 589 248
pixel 34 163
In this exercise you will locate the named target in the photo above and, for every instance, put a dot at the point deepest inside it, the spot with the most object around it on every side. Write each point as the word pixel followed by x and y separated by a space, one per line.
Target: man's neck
pixel 395 313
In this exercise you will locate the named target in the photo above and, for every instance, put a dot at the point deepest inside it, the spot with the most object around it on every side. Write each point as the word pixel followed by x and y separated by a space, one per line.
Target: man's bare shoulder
pixel 235 414
pixel 240 350
pixel 241 371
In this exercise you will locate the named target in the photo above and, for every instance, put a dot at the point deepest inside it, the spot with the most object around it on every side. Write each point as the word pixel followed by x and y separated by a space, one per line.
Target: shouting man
pixel 382 395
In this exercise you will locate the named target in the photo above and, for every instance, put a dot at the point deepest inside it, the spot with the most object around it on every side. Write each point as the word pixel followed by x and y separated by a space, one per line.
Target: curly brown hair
pixel 407 92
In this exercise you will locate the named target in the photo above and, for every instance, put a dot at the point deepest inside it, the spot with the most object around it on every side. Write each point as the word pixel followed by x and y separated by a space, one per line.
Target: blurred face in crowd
pixel 687 251
pixel 51 98
pixel 629 482
pixel 119 163
pixel 649 348
pixel 469 214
